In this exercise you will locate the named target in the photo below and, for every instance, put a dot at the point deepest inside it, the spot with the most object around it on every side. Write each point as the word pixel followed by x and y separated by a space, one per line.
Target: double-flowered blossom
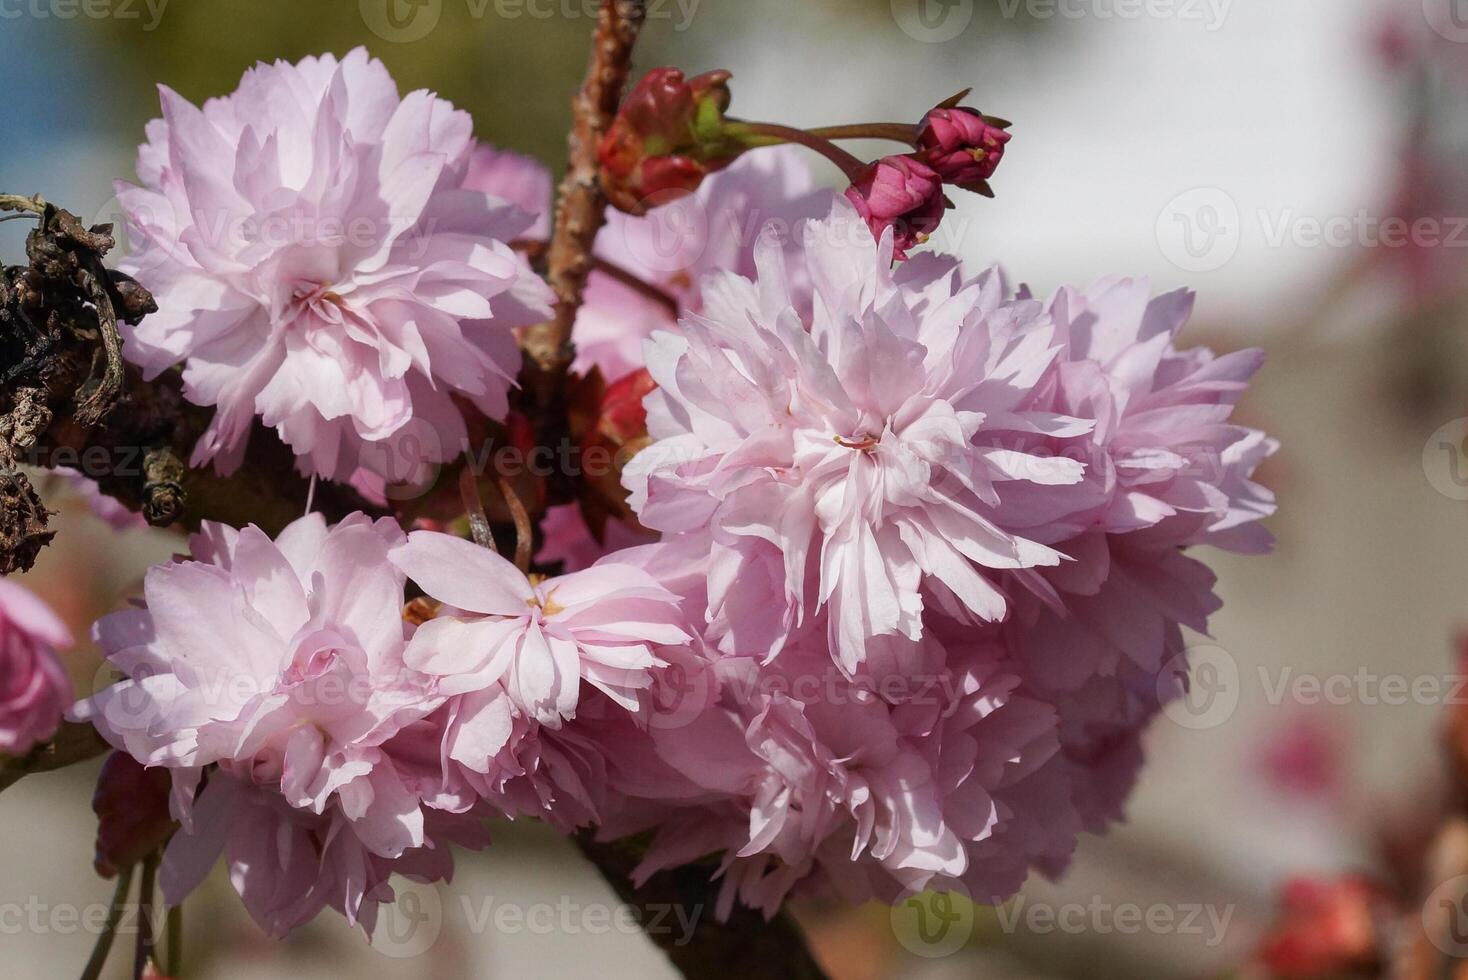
pixel 34 687
pixel 849 463
pixel 281 664
pixel 923 554
pixel 1013 484
pixel 321 261
pixel 321 738
pixel 823 779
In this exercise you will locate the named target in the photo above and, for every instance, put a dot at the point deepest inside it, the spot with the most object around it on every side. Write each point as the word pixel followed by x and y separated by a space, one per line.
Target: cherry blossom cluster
pixel 907 561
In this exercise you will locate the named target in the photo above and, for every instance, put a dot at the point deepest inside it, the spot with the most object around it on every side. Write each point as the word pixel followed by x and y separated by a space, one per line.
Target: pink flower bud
pixel 666 138
pixel 34 688
pixel 961 145
pixel 901 193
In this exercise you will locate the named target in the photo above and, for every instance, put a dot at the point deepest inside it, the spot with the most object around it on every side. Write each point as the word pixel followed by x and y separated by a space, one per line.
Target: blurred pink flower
pixel 319 262
pixel 107 509
pixel 34 687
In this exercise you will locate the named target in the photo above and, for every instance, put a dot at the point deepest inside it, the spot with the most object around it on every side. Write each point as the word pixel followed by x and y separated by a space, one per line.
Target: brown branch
pixel 745 946
pixel 535 250
pixel 75 742
pixel 580 205
pixel 524 530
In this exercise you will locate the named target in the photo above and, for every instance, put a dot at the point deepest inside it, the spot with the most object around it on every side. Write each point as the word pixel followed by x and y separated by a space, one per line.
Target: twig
pixel 174 965
pixel 524 532
pixel 580 205
pixel 144 954
pixel 474 507
pixel 535 250
pixel 103 947
pixel 74 742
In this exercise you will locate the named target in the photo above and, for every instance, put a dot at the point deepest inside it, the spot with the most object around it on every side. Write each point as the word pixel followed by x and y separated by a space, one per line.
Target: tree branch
pixel 580 204
pixel 745 946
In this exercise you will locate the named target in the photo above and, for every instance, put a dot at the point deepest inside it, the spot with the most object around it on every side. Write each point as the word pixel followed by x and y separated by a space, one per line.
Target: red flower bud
pixel 901 193
pixel 961 145
pixel 131 804
pixel 668 135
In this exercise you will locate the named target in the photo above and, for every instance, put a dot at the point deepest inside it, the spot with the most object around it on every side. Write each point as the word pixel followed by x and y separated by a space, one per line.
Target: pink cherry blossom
pixel 849 463
pixel 320 262
pixel 540 640
pixel 276 668
pixel 289 864
pixel 825 784
pixel 34 687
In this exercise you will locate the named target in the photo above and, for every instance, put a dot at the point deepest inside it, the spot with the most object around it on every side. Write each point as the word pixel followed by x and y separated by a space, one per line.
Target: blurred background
pixel 1303 165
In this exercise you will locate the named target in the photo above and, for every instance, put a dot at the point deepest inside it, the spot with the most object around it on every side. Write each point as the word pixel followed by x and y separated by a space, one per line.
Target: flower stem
pixel 898 132
pixel 534 249
pixel 770 134
pixel 145 949
pixel 98 959
pixel 175 941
